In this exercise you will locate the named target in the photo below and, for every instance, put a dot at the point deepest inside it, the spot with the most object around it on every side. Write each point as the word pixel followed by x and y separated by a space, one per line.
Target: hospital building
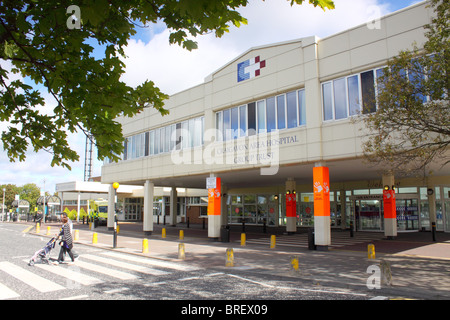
pixel 274 137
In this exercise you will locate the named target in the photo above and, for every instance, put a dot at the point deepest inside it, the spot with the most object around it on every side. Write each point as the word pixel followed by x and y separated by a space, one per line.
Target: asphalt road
pixel 101 274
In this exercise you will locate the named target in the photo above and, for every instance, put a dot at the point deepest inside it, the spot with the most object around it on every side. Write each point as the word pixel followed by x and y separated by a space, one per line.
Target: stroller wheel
pixel 31 263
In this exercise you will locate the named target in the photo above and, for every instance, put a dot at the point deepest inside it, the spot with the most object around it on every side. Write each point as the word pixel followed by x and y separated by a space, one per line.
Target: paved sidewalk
pixel 420 267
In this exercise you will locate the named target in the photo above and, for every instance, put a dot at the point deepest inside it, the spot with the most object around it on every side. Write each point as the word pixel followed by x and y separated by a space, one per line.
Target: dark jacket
pixel 66 236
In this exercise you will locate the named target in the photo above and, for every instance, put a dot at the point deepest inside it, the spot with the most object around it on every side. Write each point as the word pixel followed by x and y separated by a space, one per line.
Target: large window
pixel 182 135
pixel 284 111
pixel 349 96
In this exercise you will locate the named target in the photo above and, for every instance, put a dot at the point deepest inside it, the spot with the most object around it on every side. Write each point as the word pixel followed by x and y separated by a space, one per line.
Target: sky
pixel 173 69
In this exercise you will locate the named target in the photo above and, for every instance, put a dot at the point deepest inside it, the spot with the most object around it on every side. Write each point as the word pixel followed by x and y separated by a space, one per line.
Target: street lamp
pixel 3 206
pixel 115 186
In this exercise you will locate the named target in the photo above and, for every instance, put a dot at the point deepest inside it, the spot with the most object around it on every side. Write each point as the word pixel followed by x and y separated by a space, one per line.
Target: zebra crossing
pixel 338 239
pixel 17 278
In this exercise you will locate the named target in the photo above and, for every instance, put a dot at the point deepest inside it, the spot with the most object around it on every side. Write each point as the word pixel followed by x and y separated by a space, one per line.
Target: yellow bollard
pixel 273 241
pixel 181 251
pixel 38 228
pixel 230 258
pixel 94 238
pixel 145 246
pixel 48 231
pixel 117 228
pixel 371 251
pixel 163 233
pixel 294 263
pixel 181 234
pixel 76 236
pixel 243 239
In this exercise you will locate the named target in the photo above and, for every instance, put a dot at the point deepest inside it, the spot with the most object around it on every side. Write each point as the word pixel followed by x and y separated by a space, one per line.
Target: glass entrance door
pixel 407 214
pixel 368 215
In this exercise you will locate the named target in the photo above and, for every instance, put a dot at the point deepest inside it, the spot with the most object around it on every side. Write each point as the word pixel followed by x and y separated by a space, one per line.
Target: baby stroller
pixel 44 253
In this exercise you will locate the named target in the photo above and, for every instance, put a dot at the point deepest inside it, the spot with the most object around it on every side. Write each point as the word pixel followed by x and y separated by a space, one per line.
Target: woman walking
pixel 66 241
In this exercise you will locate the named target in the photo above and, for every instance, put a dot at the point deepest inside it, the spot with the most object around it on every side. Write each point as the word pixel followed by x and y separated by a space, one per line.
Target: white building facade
pixel 265 120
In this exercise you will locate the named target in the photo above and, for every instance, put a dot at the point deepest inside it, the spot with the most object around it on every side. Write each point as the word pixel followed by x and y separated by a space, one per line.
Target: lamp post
pixel 3 206
pixel 115 186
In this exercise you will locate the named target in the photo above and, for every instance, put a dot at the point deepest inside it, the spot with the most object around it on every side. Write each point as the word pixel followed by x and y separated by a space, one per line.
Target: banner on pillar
pixel 390 210
pixel 321 177
pixel 291 205
pixel 214 199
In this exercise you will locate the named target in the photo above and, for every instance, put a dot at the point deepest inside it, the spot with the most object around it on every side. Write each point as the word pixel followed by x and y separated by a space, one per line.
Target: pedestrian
pixel 70 223
pixel 66 241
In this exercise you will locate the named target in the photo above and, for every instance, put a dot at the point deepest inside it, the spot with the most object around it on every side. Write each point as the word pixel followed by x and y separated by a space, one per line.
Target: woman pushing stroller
pixel 66 240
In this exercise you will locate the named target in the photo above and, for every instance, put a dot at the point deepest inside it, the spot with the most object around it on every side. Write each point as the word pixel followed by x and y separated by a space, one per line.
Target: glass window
pixel 198 132
pixel 302 107
pixel 185 136
pixel 219 126
pixel 234 122
pixel 162 134
pixel 243 120
pixel 261 108
pixel 146 143
pixel 368 92
pixel 191 133
pixel 327 101
pixel 178 136
pixel 167 139
pixel 133 147
pixel 152 143
pixel 227 124
pixel 157 141
pixel 251 119
pixel 281 112
pixel 416 76
pixel 172 137
pixel 271 114
pixel 353 95
pixel 340 99
pixel 291 99
pixel 380 73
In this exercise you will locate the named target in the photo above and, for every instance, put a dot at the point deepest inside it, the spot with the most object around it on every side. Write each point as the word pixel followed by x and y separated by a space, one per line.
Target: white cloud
pixel 174 69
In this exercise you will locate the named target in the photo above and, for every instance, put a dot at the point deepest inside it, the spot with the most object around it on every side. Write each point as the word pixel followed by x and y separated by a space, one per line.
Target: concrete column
pixel 432 205
pixel 214 209
pixel 390 214
pixel 291 207
pixel 322 226
pixel 111 201
pixel 149 189
pixel 173 206
pixel 78 205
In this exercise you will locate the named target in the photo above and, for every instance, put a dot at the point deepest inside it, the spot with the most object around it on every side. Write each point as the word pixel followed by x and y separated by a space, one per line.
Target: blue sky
pixel 174 69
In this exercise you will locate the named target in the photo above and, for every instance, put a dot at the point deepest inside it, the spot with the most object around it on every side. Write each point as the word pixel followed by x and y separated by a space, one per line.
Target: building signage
pixel 321 177
pixel 214 196
pixel 250 68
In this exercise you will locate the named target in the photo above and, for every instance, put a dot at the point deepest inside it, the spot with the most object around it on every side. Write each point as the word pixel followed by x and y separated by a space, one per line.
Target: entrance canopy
pixel 49 200
pixel 20 204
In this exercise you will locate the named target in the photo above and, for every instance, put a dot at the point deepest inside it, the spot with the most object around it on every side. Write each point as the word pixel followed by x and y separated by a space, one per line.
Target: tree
pixel 30 192
pixel 411 128
pixel 49 42
pixel 10 193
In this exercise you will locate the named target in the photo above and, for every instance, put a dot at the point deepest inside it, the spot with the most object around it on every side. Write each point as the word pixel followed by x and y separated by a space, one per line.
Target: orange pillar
pixel 389 206
pixel 322 228
pixel 214 208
